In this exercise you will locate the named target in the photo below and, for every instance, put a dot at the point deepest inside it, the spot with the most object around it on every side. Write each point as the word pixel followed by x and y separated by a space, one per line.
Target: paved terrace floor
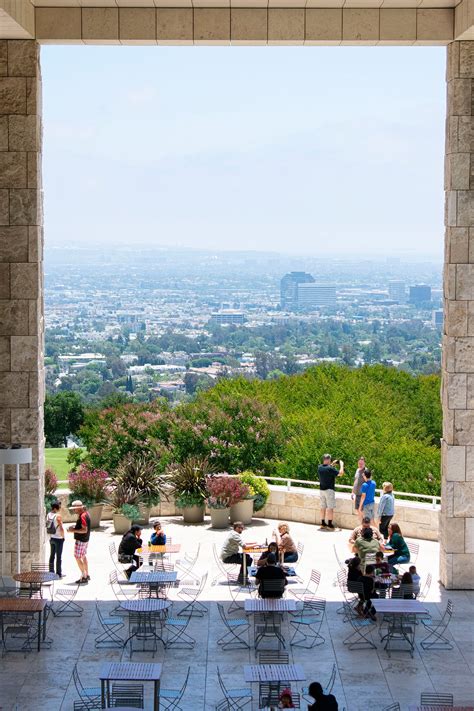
pixel 366 679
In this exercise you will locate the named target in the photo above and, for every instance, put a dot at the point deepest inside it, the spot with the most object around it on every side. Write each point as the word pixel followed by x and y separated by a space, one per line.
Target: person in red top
pixel 82 532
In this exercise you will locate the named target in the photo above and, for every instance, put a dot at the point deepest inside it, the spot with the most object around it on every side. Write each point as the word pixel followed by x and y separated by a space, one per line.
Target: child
pixel 286 700
pixel 381 566
pixel 158 537
pixel 416 580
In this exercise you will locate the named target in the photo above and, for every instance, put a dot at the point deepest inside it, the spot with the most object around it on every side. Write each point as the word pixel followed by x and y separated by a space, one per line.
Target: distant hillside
pixel 390 417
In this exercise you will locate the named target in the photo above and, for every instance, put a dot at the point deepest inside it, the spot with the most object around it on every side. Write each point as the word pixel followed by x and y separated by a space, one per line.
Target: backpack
pixel 51 525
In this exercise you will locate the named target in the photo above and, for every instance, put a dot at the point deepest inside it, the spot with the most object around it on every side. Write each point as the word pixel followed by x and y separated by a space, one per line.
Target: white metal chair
pixel 64 604
pixel 170 698
pixel 190 595
pixel 111 626
pixel 436 628
pixel 129 695
pixel 177 635
pixel 327 689
pixel 235 628
pixel 308 625
pixel 89 696
pixel 361 635
pixel 311 587
pixel 234 699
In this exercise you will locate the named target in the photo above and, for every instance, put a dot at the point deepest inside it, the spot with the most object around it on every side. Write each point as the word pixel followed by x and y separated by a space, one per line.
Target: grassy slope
pixel 56 460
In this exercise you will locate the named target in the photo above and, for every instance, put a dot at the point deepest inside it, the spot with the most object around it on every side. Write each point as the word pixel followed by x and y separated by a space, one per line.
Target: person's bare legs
pixel 81 566
pixel 323 515
pixel 85 567
pixel 330 514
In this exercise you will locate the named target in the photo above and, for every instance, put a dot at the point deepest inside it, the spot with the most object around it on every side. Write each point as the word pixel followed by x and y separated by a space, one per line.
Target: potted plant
pixel 50 486
pixel 188 481
pixel 138 473
pixel 89 485
pixel 223 491
pixel 124 503
pixel 259 492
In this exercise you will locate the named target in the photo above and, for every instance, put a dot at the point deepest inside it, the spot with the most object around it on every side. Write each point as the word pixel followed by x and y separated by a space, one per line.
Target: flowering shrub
pixel 258 489
pixel 88 485
pixel 223 491
pixel 50 482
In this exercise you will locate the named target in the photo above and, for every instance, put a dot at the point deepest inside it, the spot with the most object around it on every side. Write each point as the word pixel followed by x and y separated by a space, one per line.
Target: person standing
pixel 386 508
pixel 82 533
pixel 327 474
pixel 358 481
pixel 55 529
pixel 367 497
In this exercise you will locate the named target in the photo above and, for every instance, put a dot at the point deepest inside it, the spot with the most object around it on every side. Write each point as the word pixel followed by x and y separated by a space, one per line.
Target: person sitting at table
pixel 271 578
pixel 368 581
pixel 130 542
pixel 357 532
pixel 405 589
pixel 396 542
pixel 272 548
pixel 322 701
pixel 158 537
pixel 366 545
pixel 416 580
pixel 286 700
pixel 230 549
pixel 285 543
pixel 381 565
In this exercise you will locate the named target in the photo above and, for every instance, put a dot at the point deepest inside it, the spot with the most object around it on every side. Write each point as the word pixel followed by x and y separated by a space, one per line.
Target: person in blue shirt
pixel 158 537
pixel 367 497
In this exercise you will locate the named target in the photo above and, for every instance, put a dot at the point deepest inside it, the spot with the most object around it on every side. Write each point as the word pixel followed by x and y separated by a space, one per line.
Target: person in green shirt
pixel 401 553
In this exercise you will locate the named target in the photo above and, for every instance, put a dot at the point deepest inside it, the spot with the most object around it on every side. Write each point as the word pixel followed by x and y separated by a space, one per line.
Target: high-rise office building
pixel 420 294
pixel 289 289
pixel 397 291
pixel 315 295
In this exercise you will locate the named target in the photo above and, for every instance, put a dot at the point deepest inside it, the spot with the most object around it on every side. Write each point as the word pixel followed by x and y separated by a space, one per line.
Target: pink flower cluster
pixel 88 483
pixel 224 490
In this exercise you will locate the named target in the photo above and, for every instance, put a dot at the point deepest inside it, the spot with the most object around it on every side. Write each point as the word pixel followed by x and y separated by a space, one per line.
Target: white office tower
pixel 315 295
pixel 397 291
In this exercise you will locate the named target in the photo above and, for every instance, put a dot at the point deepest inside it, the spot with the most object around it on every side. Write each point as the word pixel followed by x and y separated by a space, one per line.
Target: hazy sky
pixel 301 149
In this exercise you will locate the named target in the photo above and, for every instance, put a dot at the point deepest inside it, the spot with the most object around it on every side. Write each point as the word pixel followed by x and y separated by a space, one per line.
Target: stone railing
pixel 416 519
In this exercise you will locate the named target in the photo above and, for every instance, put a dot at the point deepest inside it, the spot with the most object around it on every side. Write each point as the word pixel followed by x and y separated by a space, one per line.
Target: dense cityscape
pixel 139 323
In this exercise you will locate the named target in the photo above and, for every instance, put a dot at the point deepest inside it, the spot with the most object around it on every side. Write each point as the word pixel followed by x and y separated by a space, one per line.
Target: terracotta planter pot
pixel 121 524
pixel 193 514
pixel 95 512
pixel 220 518
pixel 243 511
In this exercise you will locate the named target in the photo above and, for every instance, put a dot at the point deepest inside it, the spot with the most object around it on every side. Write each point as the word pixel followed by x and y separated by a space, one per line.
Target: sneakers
pixel 81 581
pixel 323 526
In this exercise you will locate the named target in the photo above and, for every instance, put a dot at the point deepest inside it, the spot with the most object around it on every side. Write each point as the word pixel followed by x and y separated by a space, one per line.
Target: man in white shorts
pixel 327 474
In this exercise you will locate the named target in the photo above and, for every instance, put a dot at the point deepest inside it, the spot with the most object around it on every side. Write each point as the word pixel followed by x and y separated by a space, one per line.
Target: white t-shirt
pixel 57 533
pixel 232 545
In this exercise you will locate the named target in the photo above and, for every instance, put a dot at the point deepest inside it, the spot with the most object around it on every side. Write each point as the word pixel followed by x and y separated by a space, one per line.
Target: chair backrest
pixel 311 603
pixel 330 685
pixel 392 707
pixel 429 699
pixel 426 587
pixel 339 561
pixel 113 577
pixel 414 549
pixel 112 549
pixel 315 578
pixel 299 550
pixel 183 689
pixel 40 568
pixel 220 607
pixel 272 588
pixel 404 591
pixel 271 656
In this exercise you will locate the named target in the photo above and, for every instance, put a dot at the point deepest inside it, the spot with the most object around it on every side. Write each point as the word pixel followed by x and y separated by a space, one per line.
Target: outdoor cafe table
pixel 147 609
pixel 35 579
pixel 250 549
pixel 399 608
pixel 129 671
pixel 11 605
pixel 154 579
pixel 273 674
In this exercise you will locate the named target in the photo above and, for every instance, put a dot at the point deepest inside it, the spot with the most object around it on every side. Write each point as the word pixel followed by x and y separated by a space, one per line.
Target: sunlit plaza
pixel 364 678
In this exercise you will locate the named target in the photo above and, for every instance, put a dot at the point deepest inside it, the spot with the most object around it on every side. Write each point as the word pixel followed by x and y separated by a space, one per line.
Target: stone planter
pixel 219 518
pixel 121 524
pixel 243 511
pixel 193 514
pixel 144 518
pixel 95 512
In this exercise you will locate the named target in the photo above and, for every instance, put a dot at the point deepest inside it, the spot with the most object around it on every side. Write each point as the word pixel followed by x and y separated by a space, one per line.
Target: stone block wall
pixel 21 289
pixel 457 495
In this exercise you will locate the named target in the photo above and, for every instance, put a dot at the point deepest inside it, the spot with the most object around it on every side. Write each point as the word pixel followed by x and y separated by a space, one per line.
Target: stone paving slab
pixel 366 679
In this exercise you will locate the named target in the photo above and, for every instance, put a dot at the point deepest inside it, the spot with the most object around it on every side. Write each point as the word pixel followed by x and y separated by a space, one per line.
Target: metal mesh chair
pixel 186 565
pixel 423 594
pixel 429 699
pixel 360 637
pixel 177 635
pixel 269 656
pixel 272 588
pixel 436 628
pixel 7 587
pixel 121 593
pixel 64 604
pixel 19 632
pixel 170 698
pixel 392 707
pixel 89 696
pixel 111 626
pixel 234 699
pixel 48 585
pixel 235 628
pixel 190 595
pixel 268 624
pixel 327 689
pixel 307 626
pixel 311 587
pixel 128 694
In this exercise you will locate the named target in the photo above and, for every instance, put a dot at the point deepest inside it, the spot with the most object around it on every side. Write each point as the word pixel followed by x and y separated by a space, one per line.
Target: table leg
pixel 156 701
pixel 244 567
pixel 102 693
pixel 40 631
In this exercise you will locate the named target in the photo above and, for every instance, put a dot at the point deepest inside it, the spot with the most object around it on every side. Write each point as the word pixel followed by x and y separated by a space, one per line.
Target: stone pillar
pixel 21 289
pixel 457 505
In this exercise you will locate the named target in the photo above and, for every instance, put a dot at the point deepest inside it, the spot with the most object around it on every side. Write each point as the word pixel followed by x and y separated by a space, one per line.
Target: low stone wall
pixel 416 520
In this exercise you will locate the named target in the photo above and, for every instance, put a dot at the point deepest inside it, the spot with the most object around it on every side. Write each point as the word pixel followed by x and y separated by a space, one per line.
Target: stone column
pixel 21 289
pixel 457 505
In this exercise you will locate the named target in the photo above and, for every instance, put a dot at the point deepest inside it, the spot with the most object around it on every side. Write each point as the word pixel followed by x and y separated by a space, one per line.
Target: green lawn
pixel 56 460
